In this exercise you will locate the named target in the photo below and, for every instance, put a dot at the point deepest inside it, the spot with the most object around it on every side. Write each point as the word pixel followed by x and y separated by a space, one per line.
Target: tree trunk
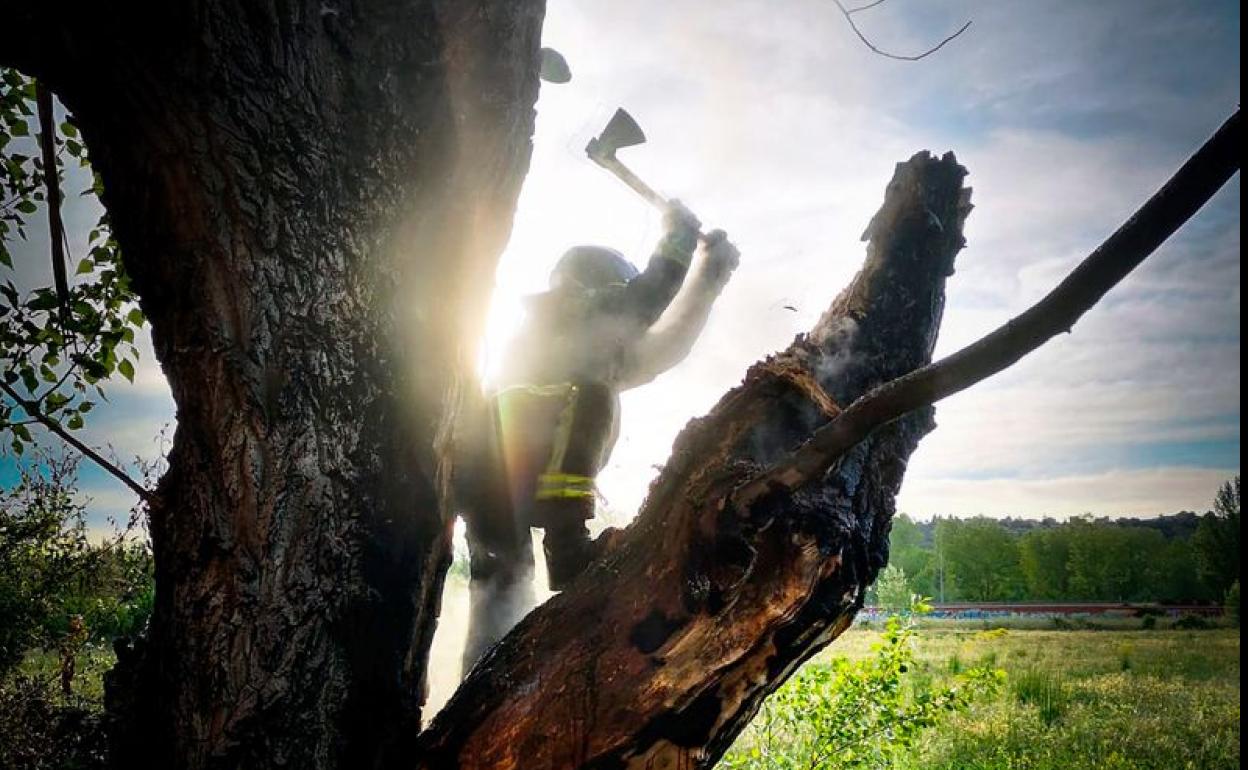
pixel 311 198
pixel 661 653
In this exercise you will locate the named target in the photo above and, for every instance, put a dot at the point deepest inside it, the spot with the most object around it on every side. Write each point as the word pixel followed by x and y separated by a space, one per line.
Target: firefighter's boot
pixel 567 545
pixel 569 550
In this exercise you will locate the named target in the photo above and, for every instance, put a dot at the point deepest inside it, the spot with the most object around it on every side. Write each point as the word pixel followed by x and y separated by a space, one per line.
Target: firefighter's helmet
pixel 592 268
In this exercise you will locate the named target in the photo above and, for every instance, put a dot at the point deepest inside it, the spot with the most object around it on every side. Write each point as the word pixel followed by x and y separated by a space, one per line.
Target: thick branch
pixel 32 409
pixel 1177 201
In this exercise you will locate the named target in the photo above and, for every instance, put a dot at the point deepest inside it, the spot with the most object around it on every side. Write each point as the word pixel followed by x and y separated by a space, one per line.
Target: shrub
pixel 1192 623
pixel 50 573
pixel 854 714
pixel 38 732
pixel 893 591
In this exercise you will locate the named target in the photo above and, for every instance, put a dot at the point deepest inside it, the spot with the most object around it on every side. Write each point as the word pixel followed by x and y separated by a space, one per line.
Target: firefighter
pixel 553 419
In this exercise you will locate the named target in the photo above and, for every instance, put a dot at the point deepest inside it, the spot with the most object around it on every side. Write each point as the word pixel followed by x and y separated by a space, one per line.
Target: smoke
pixel 836 339
pixel 497 609
pixel 448 644
pixel 494 606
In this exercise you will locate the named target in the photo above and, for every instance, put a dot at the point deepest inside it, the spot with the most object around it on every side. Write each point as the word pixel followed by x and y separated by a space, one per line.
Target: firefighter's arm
pixel 648 295
pixel 668 342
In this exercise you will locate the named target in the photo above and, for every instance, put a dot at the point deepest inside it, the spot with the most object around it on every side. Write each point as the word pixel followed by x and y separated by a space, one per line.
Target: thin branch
pixel 32 409
pixel 1170 207
pixel 866 7
pixel 848 13
pixel 52 182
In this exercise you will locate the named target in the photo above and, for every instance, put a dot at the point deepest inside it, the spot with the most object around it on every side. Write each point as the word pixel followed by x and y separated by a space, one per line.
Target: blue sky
pixel 771 121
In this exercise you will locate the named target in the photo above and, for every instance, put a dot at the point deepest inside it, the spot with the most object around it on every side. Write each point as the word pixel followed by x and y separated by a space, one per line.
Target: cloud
pixel 1141 493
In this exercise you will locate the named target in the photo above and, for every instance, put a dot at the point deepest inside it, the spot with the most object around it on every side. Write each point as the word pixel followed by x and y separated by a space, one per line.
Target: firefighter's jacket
pixel 574 354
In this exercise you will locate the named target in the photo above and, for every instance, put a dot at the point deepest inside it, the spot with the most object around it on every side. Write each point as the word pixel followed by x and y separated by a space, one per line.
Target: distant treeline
pixel 1181 558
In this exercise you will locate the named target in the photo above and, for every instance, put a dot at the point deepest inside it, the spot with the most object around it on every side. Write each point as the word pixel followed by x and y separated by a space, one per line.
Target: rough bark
pixel 311 198
pixel 661 653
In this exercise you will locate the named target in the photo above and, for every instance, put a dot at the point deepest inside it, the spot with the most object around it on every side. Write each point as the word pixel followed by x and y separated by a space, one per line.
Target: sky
pixel 773 122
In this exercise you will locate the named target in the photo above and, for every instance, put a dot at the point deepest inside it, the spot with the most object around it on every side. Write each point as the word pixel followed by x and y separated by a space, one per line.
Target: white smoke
pixel 836 337
pixel 445 658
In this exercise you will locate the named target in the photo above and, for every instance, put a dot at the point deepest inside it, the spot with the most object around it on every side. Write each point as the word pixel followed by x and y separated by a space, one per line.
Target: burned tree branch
pixel 662 652
pixel 1165 212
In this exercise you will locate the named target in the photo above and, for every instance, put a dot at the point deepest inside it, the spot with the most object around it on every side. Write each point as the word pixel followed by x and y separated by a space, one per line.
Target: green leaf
pixel 74 422
pixel 56 401
pixel 127 369
pixel 84 267
pixel 44 299
pixel 26 207
pixel 135 316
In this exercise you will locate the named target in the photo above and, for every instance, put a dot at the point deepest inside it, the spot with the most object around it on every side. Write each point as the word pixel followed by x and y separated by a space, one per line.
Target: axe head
pixel 621 131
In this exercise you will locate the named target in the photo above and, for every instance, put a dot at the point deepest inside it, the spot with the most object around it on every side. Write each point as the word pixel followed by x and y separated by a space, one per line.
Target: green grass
pixel 1080 699
pixel 1134 698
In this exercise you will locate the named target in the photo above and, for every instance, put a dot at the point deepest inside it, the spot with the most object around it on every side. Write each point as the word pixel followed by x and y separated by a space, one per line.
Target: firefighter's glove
pixel 680 233
pixel 721 256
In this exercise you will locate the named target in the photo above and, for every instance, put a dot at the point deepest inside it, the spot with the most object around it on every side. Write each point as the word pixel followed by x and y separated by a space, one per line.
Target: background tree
pixel 908 549
pixel 1217 540
pixel 981 560
pixel 1043 557
pixel 892 590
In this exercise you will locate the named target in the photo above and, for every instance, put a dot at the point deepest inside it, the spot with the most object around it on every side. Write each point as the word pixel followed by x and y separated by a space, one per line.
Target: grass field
pixel 1117 697
pixel 1073 698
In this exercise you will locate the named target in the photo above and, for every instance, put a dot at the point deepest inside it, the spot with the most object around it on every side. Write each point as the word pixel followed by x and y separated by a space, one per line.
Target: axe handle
pixel 626 175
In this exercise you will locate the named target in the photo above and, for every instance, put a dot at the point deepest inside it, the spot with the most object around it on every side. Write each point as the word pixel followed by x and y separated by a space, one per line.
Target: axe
pixel 623 131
